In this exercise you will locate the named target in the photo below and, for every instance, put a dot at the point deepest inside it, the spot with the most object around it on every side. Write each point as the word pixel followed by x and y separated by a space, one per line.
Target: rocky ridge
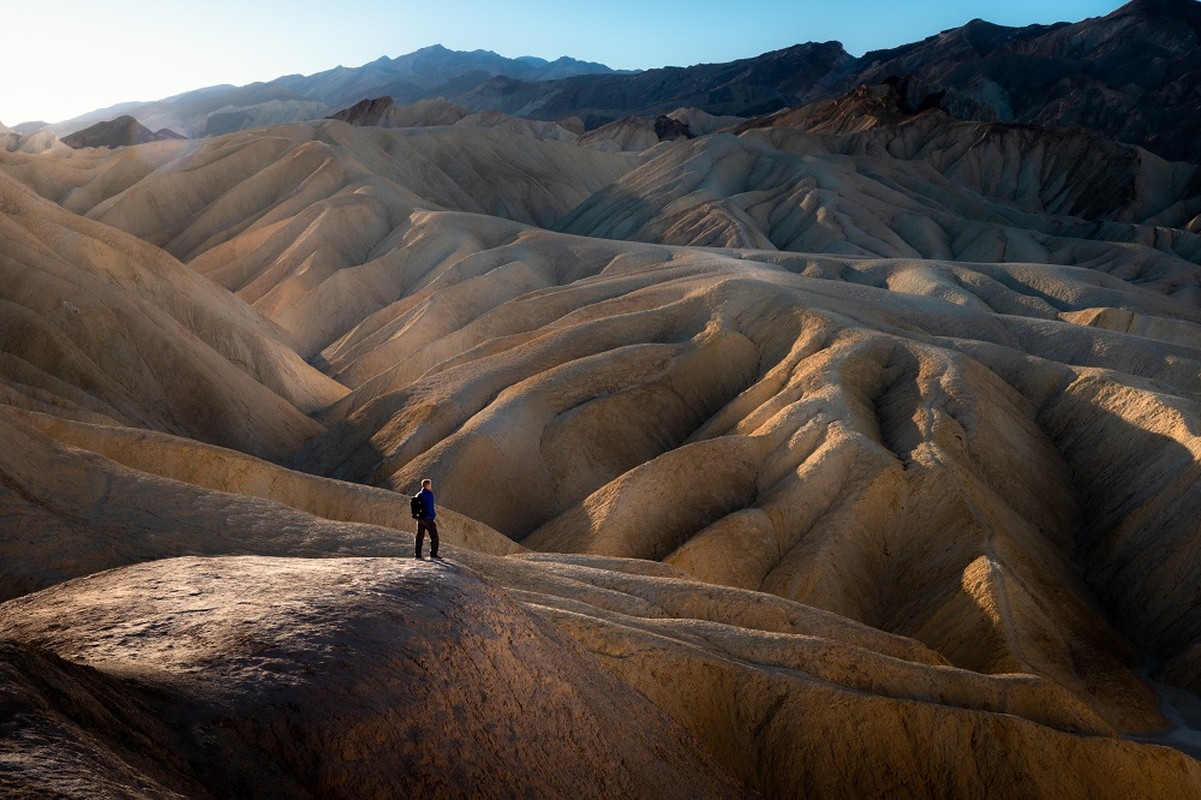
pixel 1127 75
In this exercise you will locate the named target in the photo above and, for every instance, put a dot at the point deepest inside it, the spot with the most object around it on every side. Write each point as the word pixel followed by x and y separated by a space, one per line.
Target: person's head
pixel 426 483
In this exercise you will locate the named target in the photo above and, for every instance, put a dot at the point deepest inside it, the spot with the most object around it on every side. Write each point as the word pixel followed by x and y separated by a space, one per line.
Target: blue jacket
pixel 427 497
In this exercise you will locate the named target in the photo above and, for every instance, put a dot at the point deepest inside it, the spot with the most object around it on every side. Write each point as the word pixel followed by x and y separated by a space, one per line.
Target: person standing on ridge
pixel 425 522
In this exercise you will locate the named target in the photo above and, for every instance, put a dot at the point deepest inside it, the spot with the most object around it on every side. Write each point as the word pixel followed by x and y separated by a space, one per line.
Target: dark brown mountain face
pixel 366 112
pixel 746 87
pixel 119 132
pixel 1132 74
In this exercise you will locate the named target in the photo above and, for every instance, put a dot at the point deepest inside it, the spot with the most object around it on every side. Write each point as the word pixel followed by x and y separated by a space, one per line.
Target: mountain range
pixel 851 448
pixel 429 72
pixel 1129 75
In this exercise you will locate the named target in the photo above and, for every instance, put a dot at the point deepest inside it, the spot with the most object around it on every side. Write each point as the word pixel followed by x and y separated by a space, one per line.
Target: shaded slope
pixel 921 190
pixel 222 470
pixel 100 497
pixel 383 112
pixel 120 132
pixel 744 87
pixel 1129 75
pixel 1064 172
pixel 73 732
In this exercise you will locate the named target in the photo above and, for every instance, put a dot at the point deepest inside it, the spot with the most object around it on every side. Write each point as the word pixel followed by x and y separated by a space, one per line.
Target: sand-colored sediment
pixel 869 458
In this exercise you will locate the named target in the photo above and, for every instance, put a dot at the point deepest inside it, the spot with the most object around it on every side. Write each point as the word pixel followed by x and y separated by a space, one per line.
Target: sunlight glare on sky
pixel 70 57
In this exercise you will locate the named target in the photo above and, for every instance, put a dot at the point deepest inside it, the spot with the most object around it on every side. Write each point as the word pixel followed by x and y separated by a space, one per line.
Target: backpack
pixel 417 506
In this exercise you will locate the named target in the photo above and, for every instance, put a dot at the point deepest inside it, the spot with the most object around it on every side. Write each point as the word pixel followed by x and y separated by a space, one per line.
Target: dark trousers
pixel 424 525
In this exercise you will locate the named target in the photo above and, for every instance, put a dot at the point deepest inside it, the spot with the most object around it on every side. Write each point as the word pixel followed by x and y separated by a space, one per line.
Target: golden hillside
pixel 868 457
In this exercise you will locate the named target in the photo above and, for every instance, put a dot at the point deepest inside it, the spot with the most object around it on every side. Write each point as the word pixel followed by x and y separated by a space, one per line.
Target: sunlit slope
pixel 930 404
pixel 275 215
pixel 892 439
pixel 99 325
pixel 898 458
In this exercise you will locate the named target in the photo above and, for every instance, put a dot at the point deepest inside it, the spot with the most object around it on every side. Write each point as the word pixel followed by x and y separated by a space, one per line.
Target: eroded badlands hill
pixel 329 678
pixel 870 457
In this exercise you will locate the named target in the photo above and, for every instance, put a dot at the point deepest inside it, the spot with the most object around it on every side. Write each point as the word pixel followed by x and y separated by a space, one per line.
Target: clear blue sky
pixel 69 57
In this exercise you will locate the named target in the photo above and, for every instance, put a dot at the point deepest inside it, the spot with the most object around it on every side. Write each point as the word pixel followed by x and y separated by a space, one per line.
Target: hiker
pixel 425 522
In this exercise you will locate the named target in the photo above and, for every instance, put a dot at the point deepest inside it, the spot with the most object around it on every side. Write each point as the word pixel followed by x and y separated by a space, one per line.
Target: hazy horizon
pixel 77 60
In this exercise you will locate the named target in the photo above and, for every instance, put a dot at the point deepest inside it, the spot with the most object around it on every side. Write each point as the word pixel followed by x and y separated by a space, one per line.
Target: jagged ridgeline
pixel 850 449
pixel 1128 75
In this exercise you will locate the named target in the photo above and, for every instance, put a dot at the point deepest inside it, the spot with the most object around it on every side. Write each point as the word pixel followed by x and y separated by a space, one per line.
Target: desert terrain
pixel 847 451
